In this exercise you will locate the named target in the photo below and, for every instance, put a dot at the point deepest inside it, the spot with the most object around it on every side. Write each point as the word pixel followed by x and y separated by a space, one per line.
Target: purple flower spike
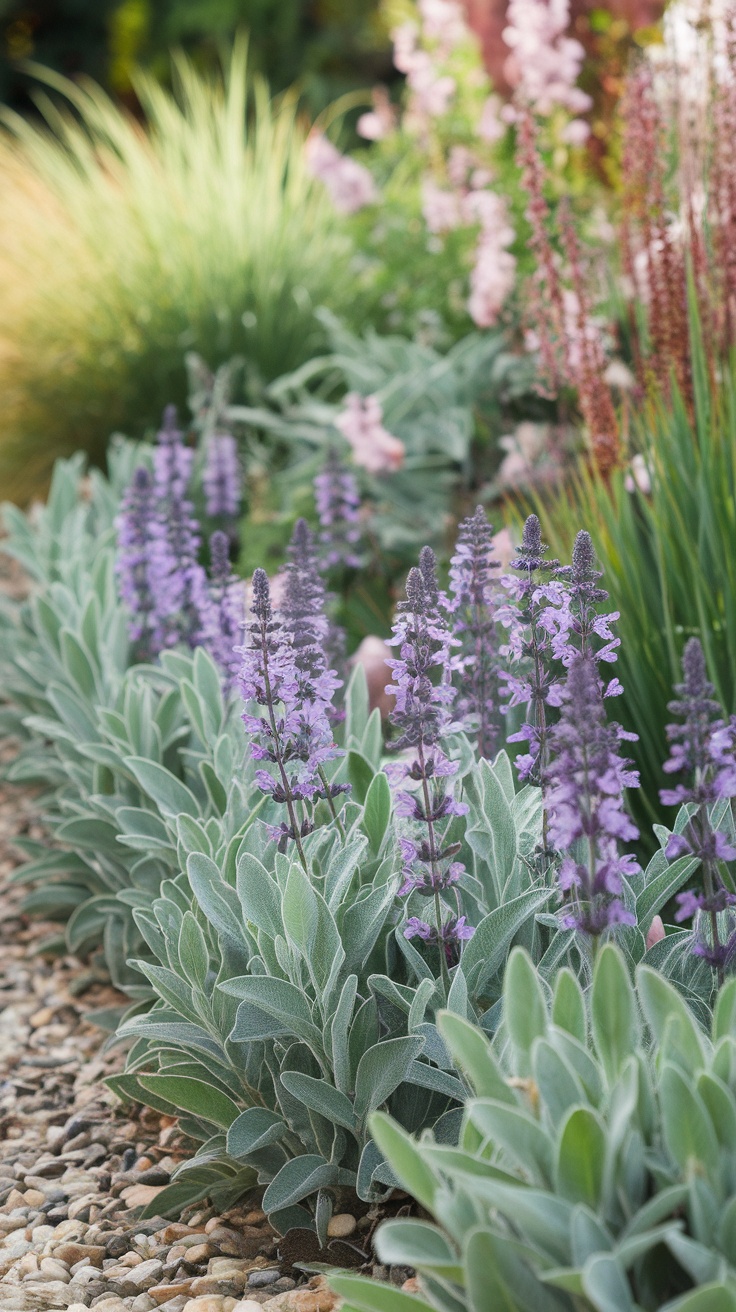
pixel 294 735
pixel 133 557
pixel 226 610
pixel 535 599
pixel 578 626
pixel 337 500
pixel 584 785
pixel 222 477
pixel 172 461
pixel 178 581
pixel 422 714
pixel 703 748
pixel 312 637
pixel 476 666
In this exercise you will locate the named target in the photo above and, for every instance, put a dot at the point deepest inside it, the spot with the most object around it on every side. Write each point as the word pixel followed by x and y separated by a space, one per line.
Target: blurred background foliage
pixel 328 47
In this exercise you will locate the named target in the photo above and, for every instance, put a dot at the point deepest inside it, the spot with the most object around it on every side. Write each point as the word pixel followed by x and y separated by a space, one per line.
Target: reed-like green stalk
pixel 669 556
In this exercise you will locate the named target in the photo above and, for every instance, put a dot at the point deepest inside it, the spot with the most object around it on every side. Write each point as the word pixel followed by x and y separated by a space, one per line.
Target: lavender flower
pixel 222 477
pixel 133 557
pixel 476 666
pixel 178 582
pixel 172 461
pixel 530 644
pixel 294 736
pixel 312 636
pixel 226 607
pixel 584 784
pixel 455 930
pixel 422 715
pixel 338 501
pixel 703 747
pixel 577 626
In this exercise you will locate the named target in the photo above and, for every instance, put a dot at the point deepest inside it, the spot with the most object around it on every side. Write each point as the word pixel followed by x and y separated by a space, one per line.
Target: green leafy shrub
pixel 447 408
pixel 595 1167
pixel 123 248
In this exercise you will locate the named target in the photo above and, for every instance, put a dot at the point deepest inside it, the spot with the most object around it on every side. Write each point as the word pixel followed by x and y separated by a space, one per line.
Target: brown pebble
pixel 341 1225
pixel 198 1253
pixel 72 1253
pixel 34 1197
pixel 42 1017
pixel 173 1232
pixel 162 1293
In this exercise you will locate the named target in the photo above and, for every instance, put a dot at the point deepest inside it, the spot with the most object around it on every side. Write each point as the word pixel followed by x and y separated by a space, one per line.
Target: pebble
pixel 341 1225
pixel 210 1303
pixel 262 1279
pixel 162 1293
pixel 199 1253
pixel 71 1253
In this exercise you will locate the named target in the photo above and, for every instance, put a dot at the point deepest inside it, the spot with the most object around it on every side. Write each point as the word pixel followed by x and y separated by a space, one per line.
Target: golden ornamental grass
pixel 122 247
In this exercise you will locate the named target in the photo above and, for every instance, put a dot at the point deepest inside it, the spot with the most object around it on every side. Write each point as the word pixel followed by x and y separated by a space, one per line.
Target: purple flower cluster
pixel 160 577
pixel 703 748
pixel 337 500
pixel 295 735
pixel 133 528
pixel 472 607
pixel 584 783
pixel 222 477
pixel 422 714
pixel 536 598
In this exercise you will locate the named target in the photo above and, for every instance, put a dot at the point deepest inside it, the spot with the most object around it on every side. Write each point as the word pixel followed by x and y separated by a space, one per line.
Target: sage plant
pixel 422 715
pixel 472 604
pixel 703 749
pixel 584 783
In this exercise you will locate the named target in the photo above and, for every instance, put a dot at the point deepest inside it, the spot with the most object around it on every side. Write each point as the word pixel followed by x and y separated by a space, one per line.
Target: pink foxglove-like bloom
pixel 491 126
pixel 349 184
pixel 544 64
pixel 494 271
pixel 491 281
pixel 380 120
pixel 440 208
pixel 361 424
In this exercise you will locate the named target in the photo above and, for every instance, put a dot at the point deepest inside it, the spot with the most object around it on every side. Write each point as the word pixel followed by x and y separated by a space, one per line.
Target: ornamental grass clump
pixel 123 246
